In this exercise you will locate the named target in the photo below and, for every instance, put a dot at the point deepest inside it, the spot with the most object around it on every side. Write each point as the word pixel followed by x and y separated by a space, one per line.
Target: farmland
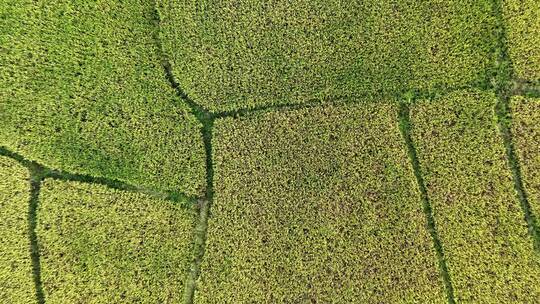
pixel 523 27
pixel 175 151
pixel 470 186
pixel 15 264
pixel 147 253
pixel 306 220
pixel 95 104
pixel 323 49
pixel 526 132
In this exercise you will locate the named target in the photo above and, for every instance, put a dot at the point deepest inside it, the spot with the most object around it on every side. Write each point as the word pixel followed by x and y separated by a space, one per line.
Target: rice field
pixel 175 151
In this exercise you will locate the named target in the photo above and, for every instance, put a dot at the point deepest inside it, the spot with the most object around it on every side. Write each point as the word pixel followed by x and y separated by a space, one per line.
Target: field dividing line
pixel 36 177
pixel 206 119
pixel 525 88
pixel 173 196
pixel 503 120
pixel 202 114
pixel 204 205
pixel 505 84
pixel 341 100
pixel 404 126
pixel 199 244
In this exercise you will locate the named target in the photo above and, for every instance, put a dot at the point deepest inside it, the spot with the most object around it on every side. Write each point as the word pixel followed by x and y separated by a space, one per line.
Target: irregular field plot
pixel 240 54
pixel 526 136
pixel 522 19
pixel 111 246
pixel 469 183
pixel 82 89
pixel 316 205
pixel 16 283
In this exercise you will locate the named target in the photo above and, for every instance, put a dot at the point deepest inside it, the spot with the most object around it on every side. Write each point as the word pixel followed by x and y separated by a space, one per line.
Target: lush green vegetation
pixel 16 281
pixel 248 151
pixel 526 132
pixel 481 225
pixel 242 54
pixel 82 89
pixel 317 205
pixel 523 29
pixel 111 246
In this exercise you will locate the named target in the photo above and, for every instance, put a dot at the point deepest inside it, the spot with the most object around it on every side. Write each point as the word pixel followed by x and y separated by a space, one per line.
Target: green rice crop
pixel 317 205
pixel 243 54
pixel 526 135
pixel 482 228
pixel 522 20
pixel 248 151
pixel 108 246
pixel 16 281
pixel 83 90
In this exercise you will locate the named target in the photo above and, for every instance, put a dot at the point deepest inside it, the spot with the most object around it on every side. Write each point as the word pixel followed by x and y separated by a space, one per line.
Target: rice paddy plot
pixel 317 205
pixel 479 219
pixel 82 89
pixel 228 55
pixel 16 279
pixel 526 135
pixel 522 24
pixel 112 246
